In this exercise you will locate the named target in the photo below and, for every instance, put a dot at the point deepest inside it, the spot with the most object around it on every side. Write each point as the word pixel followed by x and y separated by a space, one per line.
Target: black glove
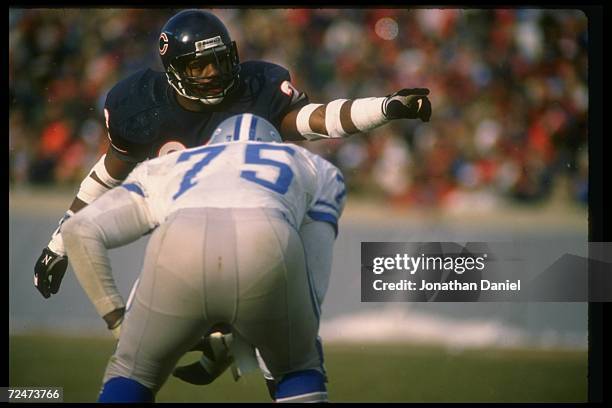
pixel 49 272
pixel 408 104
pixel 194 374
pixel 113 321
pixel 205 371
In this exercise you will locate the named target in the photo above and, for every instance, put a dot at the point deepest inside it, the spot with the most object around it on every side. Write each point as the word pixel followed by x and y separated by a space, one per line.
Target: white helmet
pixel 245 127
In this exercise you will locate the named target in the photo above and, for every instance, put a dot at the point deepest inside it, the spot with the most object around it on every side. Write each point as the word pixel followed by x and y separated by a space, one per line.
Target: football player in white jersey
pixel 225 250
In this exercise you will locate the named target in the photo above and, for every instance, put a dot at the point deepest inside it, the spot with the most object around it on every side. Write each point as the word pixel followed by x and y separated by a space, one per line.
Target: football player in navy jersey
pixel 150 113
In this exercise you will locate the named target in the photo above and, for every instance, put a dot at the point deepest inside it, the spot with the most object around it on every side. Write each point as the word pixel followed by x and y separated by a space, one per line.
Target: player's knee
pixel 121 389
pixel 302 386
pixel 150 373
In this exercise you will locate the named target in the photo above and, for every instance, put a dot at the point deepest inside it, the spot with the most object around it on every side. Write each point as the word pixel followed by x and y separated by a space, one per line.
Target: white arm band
pixel 366 114
pixel 332 119
pixel 303 122
pixel 91 188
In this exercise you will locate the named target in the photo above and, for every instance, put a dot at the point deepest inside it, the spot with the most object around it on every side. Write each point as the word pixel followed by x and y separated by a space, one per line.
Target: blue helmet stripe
pixel 253 127
pixel 237 128
pixel 245 127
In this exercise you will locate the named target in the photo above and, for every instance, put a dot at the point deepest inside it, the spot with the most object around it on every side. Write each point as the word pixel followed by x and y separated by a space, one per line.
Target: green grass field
pixel 366 373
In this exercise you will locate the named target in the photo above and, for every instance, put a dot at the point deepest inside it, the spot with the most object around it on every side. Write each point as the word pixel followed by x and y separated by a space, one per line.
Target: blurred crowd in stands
pixel 508 88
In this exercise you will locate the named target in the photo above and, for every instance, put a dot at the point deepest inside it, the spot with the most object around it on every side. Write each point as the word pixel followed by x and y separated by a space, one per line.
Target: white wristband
pixel 90 188
pixel 367 114
pixel 57 244
pixel 332 119
pixel 302 122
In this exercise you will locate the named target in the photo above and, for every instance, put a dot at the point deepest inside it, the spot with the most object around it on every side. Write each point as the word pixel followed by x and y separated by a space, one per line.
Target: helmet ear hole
pixel 193 34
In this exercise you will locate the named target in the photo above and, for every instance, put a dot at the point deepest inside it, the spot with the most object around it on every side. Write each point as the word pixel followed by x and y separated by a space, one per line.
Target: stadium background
pixel 504 158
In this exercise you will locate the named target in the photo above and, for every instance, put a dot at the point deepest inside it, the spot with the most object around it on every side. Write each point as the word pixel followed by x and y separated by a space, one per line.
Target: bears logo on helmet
pixel 163 43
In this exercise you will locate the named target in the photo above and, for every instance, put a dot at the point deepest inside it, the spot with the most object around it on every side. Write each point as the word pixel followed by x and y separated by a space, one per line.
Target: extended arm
pixel 344 117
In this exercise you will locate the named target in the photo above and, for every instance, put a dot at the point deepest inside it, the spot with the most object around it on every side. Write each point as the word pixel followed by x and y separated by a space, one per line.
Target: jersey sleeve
pixel 330 197
pixel 130 118
pixel 285 97
pixel 116 132
pixel 137 184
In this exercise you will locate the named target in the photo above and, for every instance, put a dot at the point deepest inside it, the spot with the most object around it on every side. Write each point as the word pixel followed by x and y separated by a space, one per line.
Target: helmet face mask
pixel 207 89
pixel 190 42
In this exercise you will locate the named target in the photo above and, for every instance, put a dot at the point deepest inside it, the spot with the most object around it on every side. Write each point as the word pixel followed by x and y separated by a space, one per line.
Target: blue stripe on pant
pixel 121 389
pixel 300 383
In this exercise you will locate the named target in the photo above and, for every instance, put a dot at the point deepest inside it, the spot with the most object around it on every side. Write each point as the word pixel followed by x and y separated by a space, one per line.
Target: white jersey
pixel 245 174
pixel 222 254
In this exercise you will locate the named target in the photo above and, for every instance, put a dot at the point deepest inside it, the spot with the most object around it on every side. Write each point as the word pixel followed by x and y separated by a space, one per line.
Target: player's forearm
pixel 108 172
pixel 77 205
pixel 84 242
pixel 116 219
pixel 339 118
pixel 343 117
pixel 98 181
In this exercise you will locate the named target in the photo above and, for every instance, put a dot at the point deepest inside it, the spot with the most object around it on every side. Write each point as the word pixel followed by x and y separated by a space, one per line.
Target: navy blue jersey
pixel 144 120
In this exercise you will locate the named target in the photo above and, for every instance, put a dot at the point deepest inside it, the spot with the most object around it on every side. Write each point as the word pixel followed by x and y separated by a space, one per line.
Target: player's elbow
pixel 77 230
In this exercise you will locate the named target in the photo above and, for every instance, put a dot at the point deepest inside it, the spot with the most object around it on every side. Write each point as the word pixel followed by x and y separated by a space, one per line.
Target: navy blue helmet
pixel 199 37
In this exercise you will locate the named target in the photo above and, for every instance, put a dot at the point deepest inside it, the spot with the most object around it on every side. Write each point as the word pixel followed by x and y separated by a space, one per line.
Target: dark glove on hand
pixel 203 371
pixel 408 104
pixel 49 272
